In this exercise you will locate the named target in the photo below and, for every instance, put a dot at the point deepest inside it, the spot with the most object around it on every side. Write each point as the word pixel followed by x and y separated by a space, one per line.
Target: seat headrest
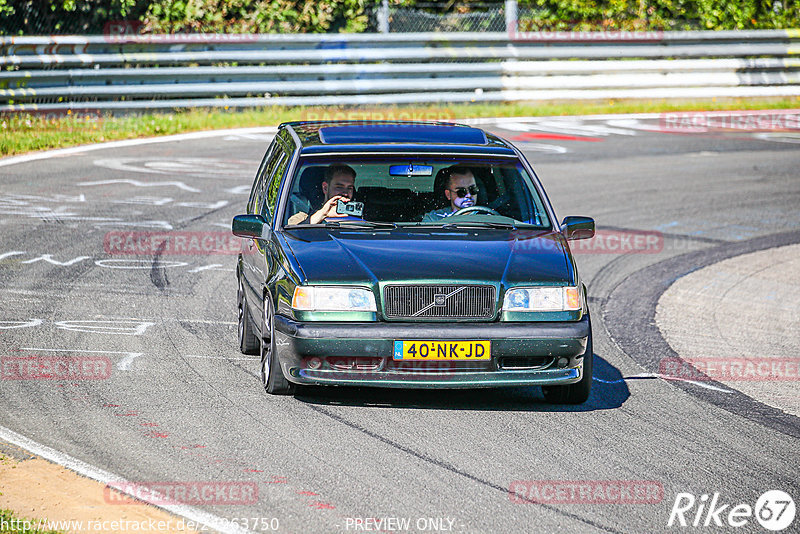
pixel 311 185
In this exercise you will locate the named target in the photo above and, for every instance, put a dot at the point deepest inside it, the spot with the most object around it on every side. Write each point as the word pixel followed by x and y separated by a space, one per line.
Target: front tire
pixel 578 392
pixel 271 375
pixel 248 340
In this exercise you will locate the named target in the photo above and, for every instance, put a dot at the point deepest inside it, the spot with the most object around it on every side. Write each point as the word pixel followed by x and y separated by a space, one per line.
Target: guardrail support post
pixel 511 17
pixel 383 17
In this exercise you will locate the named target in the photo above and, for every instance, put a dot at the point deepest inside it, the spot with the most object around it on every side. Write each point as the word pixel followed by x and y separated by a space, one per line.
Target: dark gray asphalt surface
pixel 182 404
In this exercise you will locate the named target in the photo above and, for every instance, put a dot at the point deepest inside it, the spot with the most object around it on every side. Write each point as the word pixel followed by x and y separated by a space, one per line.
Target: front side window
pixel 258 184
pixel 414 191
pixel 273 175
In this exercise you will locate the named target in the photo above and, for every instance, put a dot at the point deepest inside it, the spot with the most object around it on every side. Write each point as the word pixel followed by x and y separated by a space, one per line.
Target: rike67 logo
pixel 774 510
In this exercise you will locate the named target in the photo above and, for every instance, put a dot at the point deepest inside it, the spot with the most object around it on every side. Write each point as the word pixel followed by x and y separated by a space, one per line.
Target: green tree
pixel 19 17
pixel 256 16
pixel 658 14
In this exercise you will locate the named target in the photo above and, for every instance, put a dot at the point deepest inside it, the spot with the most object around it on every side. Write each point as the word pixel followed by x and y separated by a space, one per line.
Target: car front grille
pixel 439 301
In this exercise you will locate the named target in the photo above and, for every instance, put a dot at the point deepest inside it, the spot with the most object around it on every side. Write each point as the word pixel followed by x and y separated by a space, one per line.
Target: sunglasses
pixel 462 191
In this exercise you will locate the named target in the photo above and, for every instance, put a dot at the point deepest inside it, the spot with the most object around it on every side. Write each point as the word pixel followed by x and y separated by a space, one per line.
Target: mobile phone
pixel 356 209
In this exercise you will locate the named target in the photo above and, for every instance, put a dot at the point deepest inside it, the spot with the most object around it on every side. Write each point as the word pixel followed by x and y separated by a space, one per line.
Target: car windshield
pixel 414 191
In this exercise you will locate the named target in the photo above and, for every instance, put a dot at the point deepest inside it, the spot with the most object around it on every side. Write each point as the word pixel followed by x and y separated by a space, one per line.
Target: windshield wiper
pixel 480 224
pixel 359 224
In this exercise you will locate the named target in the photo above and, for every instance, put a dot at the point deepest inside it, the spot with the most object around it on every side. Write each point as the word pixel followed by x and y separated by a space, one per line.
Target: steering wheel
pixel 476 209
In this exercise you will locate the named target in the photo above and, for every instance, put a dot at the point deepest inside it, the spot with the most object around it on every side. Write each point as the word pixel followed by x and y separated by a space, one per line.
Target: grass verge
pixel 11 524
pixel 22 133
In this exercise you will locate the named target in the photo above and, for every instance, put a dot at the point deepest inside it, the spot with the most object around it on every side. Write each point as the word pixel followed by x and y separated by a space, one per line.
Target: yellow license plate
pixel 442 350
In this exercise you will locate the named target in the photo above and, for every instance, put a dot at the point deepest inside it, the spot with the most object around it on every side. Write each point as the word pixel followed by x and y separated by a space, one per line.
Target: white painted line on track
pixel 492 120
pixel 123 365
pixel 146 201
pixel 779 137
pixel 79 350
pixel 663 377
pixel 239 190
pixel 541 147
pixel 105 477
pixel 212 267
pixel 137 264
pixel 6 325
pixel 110 327
pixel 137 183
pixel 162 225
pixel 203 321
pixel 634 124
pixel 13 160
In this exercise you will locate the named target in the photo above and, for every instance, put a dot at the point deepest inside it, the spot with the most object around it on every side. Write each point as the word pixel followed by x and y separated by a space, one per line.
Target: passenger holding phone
pixel 338 184
pixel 460 190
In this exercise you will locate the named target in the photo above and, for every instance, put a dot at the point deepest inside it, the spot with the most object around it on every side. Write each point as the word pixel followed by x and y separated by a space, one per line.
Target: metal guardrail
pixel 122 73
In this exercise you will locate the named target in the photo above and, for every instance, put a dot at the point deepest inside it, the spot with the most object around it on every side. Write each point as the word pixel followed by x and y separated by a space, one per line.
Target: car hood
pixel 486 256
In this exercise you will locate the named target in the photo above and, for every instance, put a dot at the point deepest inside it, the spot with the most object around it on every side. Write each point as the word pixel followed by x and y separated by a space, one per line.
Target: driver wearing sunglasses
pixel 461 192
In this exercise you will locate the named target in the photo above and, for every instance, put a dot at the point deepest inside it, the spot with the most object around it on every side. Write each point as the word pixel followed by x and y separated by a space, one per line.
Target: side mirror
pixel 578 227
pixel 250 226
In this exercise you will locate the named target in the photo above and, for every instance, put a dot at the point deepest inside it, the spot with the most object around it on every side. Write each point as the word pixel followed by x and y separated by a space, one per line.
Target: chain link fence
pixel 476 17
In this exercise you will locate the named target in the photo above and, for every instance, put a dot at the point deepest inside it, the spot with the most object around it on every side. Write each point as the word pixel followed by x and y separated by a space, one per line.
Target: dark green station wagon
pixel 415 255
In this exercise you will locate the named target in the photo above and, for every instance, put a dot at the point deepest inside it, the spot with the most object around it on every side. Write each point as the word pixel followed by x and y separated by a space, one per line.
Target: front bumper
pixel 360 354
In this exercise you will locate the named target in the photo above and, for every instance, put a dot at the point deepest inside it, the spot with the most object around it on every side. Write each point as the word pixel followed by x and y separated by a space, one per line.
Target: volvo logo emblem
pixel 439 301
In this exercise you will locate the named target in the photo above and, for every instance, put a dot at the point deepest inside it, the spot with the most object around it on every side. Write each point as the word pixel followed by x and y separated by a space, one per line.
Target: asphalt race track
pixel 180 403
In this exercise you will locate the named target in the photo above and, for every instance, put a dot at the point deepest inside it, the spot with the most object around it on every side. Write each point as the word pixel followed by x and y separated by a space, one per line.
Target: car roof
pixel 393 136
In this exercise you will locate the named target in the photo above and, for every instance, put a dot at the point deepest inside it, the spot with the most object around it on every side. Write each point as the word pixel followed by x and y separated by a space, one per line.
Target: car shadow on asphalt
pixel 609 391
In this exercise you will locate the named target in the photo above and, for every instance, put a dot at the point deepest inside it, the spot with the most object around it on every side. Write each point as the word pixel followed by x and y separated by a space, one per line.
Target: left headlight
pixel 324 299
pixel 542 299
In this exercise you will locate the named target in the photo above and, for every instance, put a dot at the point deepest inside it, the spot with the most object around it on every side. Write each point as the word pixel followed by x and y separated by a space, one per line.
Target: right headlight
pixel 330 298
pixel 542 299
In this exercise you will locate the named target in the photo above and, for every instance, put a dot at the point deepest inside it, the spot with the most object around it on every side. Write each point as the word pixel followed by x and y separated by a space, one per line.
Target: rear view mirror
pixel 578 227
pixel 249 226
pixel 411 170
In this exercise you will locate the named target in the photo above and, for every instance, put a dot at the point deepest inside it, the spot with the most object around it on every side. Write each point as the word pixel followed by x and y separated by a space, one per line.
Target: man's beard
pixel 464 202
